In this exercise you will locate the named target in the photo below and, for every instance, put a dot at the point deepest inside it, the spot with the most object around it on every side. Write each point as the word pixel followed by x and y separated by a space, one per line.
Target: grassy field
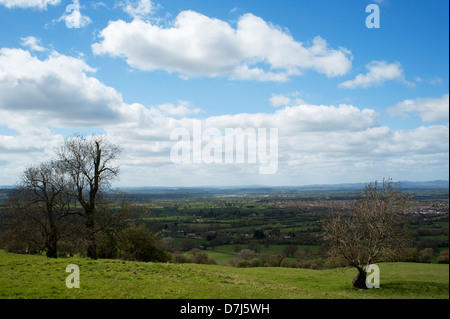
pixel 223 254
pixel 36 277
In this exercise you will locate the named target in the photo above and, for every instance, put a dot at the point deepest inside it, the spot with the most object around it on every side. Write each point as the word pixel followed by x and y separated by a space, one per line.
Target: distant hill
pixel 429 189
pixel 426 189
pixel 342 186
pixel 438 183
pixel 263 188
pixel 6 187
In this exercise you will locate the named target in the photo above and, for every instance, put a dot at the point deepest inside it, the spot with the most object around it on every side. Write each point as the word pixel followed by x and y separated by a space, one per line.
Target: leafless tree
pixel 91 164
pixel 371 230
pixel 38 209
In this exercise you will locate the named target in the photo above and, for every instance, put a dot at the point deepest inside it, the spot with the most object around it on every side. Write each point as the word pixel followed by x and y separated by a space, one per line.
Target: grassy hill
pixel 36 277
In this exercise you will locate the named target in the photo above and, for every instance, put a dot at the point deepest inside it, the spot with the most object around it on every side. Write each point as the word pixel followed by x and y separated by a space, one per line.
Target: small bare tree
pixel 38 209
pixel 91 164
pixel 371 230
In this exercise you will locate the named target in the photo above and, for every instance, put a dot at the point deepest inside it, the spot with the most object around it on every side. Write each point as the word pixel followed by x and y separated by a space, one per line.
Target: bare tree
pixel 38 209
pixel 91 164
pixel 372 230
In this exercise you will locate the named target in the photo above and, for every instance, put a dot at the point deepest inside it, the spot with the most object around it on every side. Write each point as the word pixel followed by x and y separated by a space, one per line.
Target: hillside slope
pixel 24 276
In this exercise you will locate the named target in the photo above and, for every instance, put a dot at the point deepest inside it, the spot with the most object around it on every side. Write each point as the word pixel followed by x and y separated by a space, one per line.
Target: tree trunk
pixel 92 242
pixel 360 279
pixel 52 243
pixel 52 251
pixel 92 249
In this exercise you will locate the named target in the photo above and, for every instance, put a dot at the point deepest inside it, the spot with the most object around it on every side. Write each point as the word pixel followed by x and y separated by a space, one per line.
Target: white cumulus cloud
pixel 197 45
pixel 58 91
pixel 429 109
pixel 138 9
pixel 316 142
pixel 32 43
pixel 278 100
pixel 378 73
pixel 182 109
pixel 37 4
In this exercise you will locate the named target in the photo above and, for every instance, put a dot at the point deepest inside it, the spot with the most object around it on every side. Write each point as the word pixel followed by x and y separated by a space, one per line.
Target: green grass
pixel 25 276
pixel 222 254
pixel 220 257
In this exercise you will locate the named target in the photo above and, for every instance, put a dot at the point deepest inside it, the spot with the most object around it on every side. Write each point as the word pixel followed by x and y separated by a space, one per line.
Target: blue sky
pixel 351 104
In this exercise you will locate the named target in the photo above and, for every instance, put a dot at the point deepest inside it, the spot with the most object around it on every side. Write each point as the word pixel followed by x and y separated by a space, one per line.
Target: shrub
pixel 317 263
pixel 197 256
pixel 273 261
pixel 287 263
pixel 106 246
pixel 246 254
pixel 180 259
pixel 443 257
pixel 168 244
pixel 243 264
pixel 425 255
pixel 256 262
pixel 20 247
pixel 234 262
pixel 335 262
pixel 303 264
pixel 138 243
pixel 410 255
